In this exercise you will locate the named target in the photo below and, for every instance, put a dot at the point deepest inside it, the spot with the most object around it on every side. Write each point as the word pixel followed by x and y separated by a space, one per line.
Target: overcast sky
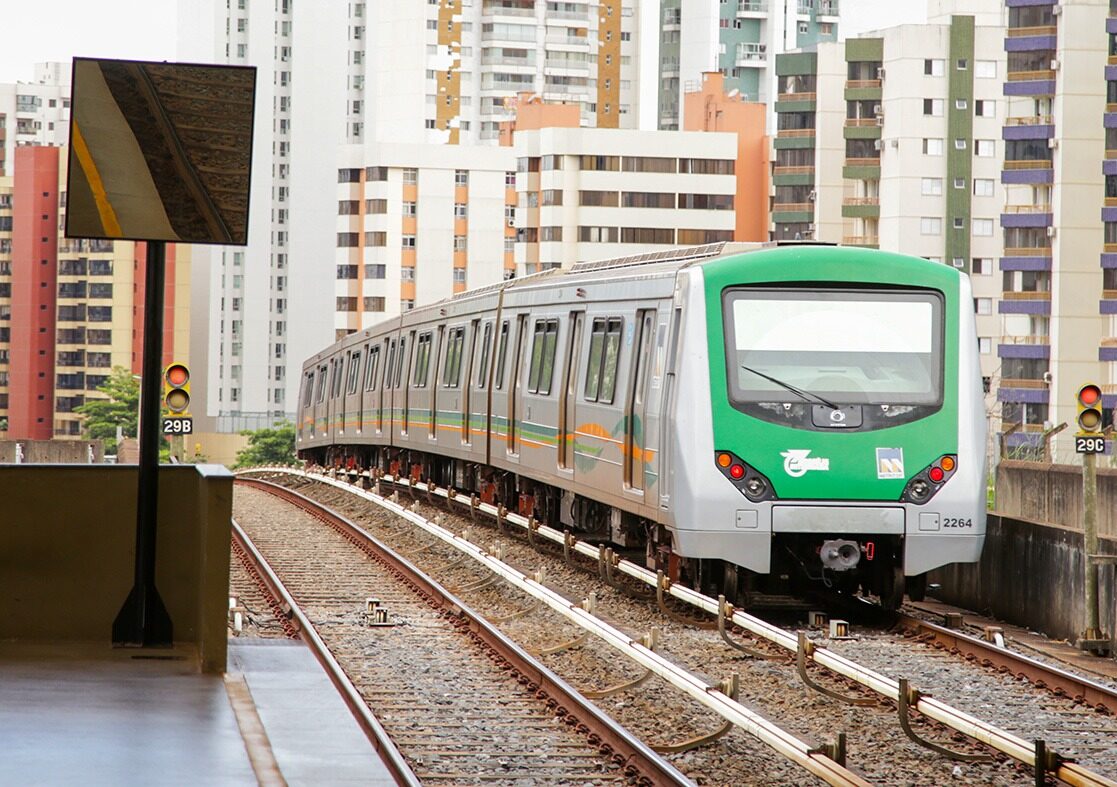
pixel 37 31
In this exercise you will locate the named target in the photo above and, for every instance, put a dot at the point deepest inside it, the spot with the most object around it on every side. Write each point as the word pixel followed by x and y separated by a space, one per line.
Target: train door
pixel 635 437
pixel 568 394
pixel 467 388
pixel 372 396
pixel 515 385
pixel 306 397
pixel 403 370
pixel 387 398
pixel 497 387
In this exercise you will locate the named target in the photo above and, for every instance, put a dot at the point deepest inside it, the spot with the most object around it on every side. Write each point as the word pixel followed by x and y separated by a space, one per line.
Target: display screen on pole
pixel 160 151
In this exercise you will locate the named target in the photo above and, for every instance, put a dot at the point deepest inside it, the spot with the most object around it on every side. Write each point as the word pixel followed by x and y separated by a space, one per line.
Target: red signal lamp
pixel 737 471
pixel 936 474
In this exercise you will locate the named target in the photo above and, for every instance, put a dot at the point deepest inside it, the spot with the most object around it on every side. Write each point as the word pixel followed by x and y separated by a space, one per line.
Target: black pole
pixel 143 620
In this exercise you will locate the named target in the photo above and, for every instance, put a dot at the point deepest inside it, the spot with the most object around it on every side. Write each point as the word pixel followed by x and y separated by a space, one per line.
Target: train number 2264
pixel 951 521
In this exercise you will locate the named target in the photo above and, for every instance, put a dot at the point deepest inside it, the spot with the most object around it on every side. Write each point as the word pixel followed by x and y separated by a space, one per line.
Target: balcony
pixel 793 170
pixel 1028 209
pixel 860 240
pixel 1026 295
pixel 1030 120
pixel 793 207
pixel 1030 251
pixel 1032 340
pixel 793 133
pixel 862 162
pixel 502 10
pixel 1013 382
pixel 1023 32
pixel 797 97
pixel 1031 76
pixel 862 84
pixel 1028 164
pixel 804 7
pixel 863 122
pixel 828 8
pixel 750 54
pixel 860 201
pixel 562 40
pixel 748 7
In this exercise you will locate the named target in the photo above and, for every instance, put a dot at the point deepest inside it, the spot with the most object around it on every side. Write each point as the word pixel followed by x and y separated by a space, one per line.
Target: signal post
pixel 1090 441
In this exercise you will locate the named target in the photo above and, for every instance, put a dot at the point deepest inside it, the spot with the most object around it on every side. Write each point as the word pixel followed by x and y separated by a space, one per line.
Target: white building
pixel 440 71
pixel 36 112
pixel 247 299
pixel 586 194
pixel 416 223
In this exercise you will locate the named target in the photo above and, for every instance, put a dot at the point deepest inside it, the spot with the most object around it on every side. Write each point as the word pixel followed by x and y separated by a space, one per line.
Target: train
pixel 748 418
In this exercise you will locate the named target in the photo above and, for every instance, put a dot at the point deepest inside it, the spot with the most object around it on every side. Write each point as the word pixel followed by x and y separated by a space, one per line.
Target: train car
pixel 750 416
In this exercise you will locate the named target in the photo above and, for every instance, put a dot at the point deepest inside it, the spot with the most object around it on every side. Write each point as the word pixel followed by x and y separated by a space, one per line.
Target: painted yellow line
pixel 108 216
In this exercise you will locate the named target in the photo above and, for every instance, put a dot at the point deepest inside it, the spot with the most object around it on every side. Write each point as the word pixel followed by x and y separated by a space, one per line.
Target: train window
pixel 451 370
pixel 390 365
pixel 501 352
pixel 601 368
pixel 308 397
pixel 422 360
pixel 543 357
pixel 399 375
pixel 483 368
pixel 371 363
pixel 321 383
pixel 339 369
pixel 354 373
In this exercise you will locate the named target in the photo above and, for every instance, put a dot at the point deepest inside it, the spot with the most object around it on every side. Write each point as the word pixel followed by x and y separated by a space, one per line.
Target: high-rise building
pixel 70 310
pixel 441 71
pixel 740 38
pixel 420 224
pixel 892 141
pixel 247 298
pixel 36 112
pixel 1053 234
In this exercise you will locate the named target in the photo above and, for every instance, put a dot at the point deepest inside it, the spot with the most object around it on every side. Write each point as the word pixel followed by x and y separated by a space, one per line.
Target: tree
pixel 121 408
pixel 275 446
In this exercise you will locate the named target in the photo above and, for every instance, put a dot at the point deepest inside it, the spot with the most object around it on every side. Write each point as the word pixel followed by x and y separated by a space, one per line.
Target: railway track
pixel 876 746
pixel 460 701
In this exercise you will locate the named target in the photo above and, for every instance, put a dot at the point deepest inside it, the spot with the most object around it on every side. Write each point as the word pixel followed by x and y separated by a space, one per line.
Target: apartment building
pixel 36 112
pixel 70 310
pixel 441 71
pixel 248 298
pixel 1107 350
pixel 417 223
pixel 1055 338
pixel 586 194
pixel 892 141
pixel 740 38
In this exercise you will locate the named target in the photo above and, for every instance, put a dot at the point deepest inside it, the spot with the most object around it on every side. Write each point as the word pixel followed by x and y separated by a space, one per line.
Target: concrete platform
pixel 94 715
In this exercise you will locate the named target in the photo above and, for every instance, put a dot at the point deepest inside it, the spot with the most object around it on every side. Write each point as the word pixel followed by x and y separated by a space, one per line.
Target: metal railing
pixel 752 7
pixel 1033 339
pixel 1042 208
pixel 1030 120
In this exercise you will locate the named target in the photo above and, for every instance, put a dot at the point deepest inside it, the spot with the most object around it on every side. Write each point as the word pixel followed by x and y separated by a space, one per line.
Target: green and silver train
pixel 746 416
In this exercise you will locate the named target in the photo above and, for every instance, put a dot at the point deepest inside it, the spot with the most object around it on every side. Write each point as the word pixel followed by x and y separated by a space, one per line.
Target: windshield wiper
pixel 797 391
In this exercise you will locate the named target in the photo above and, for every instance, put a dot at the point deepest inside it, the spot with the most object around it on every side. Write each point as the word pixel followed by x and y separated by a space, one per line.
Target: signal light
pixel 724 460
pixel 176 389
pixel 737 471
pixel 936 474
pixel 1089 409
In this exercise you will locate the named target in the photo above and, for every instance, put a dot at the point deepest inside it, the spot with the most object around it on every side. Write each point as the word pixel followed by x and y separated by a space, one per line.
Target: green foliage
pixel 274 446
pixel 122 408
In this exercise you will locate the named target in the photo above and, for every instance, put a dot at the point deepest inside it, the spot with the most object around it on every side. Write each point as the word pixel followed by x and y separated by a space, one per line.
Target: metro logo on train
pixel 725 411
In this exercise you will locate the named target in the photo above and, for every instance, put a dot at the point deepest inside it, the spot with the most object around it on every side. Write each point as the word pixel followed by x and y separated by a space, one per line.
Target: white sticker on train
pixel 797 462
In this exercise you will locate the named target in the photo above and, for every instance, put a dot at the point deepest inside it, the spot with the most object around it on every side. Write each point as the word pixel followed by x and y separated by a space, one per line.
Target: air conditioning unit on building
pixel 1051 232
pixel 878 111
pixel 880 73
pixel 876 144
pixel 1056 9
pixel 511 222
pixel 1054 64
pixel 1052 143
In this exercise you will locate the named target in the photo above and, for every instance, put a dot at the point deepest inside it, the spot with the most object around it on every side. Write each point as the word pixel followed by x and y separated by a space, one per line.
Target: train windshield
pixel 835 346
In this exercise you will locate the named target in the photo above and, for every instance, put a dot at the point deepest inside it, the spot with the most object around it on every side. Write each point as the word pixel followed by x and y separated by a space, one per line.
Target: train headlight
pixel 751 483
pixel 919 490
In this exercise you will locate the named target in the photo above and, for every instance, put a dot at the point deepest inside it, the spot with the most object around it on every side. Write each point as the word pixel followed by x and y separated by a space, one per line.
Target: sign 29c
pixel 1089 444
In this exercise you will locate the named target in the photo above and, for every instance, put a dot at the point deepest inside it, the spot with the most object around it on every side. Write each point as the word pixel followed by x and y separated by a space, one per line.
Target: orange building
pixel 711 109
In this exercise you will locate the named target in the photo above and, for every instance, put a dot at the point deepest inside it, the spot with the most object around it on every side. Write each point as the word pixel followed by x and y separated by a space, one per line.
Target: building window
pixel 407 273
pixel 552 196
pixel 553 234
pixel 985 147
pixel 931 187
pixel 959 224
pixel 374 303
pixel 983 187
pixel 408 241
pixel 461 177
pixel 460 210
pixel 985 345
pixel 410 175
pixel 376 238
pixel 932 147
pixel 375 271
pixel 983 228
pixel 459 275
pixel 930 225
pixel 985 108
pixel 983 305
pixel 985 69
pixel 981 266
pixel 933 107
pixel 963 64
pixel 934 68
pixel 459 243
pixel 959 144
pixel 959 183
pixel 510 180
pixel 377 206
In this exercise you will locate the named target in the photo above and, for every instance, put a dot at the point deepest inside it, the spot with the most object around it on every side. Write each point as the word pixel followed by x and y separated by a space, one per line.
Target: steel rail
pixel 783 742
pixel 1078 687
pixel 627 749
pixel 1012 745
pixel 368 723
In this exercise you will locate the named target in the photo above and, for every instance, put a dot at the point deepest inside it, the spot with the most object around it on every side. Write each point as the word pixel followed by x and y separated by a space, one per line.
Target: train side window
pixel 543 349
pixel 354 373
pixel 501 353
pixel 400 361
pixel 390 366
pixel 601 368
pixel 451 375
pixel 308 397
pixel 372 361
pixel 321 384
pixel 422 360
pixel 486 340
pixel 339 370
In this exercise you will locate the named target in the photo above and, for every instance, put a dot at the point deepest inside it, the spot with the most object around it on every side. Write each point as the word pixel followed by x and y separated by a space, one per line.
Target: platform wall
pixel 1031 574
pixel 67 552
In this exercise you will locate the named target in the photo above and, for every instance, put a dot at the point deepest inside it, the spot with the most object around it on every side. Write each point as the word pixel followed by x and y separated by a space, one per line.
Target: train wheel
pixel 893 595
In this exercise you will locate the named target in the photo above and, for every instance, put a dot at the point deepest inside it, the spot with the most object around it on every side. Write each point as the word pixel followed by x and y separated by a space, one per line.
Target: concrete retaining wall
pixel 67 552
pixel 1031 574
pixel 77 452
pixel 1050 493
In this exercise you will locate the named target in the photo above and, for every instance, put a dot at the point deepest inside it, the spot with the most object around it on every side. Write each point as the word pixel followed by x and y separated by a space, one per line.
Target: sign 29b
pixel 178 425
